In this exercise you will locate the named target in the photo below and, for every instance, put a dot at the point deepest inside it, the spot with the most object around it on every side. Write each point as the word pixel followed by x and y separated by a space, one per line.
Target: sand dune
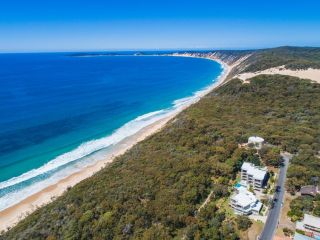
pixel 312 74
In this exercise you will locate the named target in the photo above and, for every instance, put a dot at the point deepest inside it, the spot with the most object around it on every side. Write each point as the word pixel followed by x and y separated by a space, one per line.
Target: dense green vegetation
pixel 291 57
pixel 154 190
pixel 287 232
pixel 305 165
pixel 304 204
pixel 270 156
pixel 243 222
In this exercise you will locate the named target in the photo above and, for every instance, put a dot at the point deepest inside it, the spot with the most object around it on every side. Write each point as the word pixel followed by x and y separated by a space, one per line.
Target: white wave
pixel 148 115
pixel 80 152
pixel 87 148
pixel 15 197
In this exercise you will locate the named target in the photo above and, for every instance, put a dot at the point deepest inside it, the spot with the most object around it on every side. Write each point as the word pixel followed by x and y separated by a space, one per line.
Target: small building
pixel 309 224
pixel 254 176
pixel 257 142
pixel 244 202
pixel 309 190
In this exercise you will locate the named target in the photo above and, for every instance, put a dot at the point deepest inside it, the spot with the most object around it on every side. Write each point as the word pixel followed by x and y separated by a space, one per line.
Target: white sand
pixel 312 74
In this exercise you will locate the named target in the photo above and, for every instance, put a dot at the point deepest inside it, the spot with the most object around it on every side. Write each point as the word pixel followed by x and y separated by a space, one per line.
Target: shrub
pixel 243 222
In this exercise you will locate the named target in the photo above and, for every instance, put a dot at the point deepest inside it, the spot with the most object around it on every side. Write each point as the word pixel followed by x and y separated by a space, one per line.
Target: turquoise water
pixel 58 109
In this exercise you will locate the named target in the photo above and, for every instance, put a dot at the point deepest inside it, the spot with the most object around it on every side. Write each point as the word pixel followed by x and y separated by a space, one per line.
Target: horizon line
pixel 148 49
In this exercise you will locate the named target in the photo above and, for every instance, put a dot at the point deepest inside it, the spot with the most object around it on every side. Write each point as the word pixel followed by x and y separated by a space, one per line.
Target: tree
pixel 251 189
pixel 156 232
pixel 287 232
pixel 243 222
pixel 271 156
pixel 300 205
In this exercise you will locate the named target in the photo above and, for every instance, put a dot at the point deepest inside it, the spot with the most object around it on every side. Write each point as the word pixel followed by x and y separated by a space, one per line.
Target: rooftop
pixel 309 190
pixel 244 197
pixel 258 173
pixel 256 139
pixel 311 220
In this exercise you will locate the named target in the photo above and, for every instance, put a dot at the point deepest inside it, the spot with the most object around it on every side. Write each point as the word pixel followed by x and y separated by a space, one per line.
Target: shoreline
pixel 13 214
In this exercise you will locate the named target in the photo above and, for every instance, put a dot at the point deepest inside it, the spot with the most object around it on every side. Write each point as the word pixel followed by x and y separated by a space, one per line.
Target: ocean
pixel 60 110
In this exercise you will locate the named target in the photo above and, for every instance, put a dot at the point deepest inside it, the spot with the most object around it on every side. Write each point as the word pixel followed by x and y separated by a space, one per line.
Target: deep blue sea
pixel 57 109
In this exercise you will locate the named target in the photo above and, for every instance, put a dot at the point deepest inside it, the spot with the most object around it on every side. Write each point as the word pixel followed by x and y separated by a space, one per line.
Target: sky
pixel 94 25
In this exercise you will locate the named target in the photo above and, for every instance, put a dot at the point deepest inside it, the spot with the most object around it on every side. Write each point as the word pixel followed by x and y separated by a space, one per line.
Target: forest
pixel 290 57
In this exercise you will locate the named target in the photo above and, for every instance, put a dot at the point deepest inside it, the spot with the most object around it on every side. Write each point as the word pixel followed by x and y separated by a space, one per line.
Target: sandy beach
pixel 10 216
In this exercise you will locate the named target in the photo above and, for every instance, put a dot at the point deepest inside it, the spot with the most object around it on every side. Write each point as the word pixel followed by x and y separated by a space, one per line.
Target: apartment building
pixel 254 176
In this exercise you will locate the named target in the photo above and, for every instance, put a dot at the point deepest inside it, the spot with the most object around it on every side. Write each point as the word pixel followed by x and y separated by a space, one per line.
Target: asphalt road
pixel 274 213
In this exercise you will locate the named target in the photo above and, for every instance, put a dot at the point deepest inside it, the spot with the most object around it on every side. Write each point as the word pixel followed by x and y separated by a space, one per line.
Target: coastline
pixel 12 215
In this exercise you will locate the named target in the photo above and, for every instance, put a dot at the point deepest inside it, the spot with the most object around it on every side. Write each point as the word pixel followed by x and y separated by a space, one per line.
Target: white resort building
pixel 254 176
pixel 257 142
pixel 309 224
pixel 244 202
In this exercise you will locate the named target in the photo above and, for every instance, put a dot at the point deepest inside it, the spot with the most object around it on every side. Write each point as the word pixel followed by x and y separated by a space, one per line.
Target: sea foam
pixel 16 195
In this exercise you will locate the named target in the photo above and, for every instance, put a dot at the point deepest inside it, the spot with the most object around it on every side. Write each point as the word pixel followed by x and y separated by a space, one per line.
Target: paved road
pixel 274 213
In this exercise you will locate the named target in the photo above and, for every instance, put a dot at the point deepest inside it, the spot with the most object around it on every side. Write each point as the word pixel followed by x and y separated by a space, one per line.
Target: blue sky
pixel 69 25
